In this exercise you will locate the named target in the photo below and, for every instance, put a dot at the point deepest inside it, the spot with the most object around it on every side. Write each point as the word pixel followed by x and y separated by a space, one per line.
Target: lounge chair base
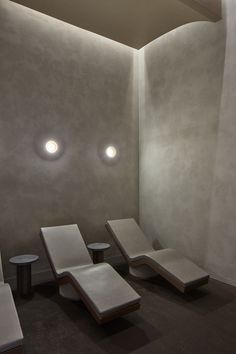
pixel 114 316
pixel 142 272
pixel 194 286
pixel 68 292
pixel 18 350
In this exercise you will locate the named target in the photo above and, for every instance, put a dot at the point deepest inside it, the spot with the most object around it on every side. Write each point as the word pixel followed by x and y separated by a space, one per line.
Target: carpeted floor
pixel 167 323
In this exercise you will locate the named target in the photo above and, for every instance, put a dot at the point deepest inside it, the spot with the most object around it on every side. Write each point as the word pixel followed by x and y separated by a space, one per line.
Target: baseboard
pixel 40 277
pixel 115 260
pixel 46 275
pixel 223 280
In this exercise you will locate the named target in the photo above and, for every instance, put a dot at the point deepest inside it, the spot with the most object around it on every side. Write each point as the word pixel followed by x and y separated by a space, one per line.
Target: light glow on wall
pixel 51 146
pixel 111 152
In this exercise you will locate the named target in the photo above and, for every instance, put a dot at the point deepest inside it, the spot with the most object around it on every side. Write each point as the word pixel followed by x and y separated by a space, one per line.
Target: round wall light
pixel 51 146
pixel 111 152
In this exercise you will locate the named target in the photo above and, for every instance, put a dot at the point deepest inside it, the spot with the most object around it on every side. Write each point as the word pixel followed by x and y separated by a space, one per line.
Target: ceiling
pixel 131 22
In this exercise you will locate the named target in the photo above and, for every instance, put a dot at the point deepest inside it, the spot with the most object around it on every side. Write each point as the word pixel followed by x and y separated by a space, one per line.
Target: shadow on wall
pixel 210 8
pixel 221 256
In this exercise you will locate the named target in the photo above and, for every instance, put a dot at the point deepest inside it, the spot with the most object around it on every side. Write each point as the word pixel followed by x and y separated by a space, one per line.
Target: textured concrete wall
pixel 178 135
pixel 221 252
pixel 59 81
pixel 187 143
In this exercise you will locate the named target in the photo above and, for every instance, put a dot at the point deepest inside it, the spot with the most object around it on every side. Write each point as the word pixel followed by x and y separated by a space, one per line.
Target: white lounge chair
pixel 11 337
pixel 145 262
pixel 105 293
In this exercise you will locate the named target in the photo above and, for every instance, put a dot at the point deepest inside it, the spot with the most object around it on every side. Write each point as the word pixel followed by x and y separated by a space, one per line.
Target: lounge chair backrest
pixel 129 237
pixel 1 272
pixel 65 247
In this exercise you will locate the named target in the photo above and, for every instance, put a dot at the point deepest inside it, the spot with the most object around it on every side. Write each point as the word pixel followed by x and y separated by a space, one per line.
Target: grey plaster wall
pixel 62 82
pixel 221 251
pixel 81 89
pixel 187 143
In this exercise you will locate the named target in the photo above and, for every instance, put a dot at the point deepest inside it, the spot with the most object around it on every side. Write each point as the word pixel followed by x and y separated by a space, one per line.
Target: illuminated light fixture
pixel 111 152
pixel 51 147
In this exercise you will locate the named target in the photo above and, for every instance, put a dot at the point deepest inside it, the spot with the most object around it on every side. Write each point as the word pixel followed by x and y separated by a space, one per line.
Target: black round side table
pixel 98 251
pixel 23 269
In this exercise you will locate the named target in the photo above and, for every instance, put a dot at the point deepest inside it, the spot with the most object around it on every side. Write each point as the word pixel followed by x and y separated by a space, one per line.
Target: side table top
pixel 98 246
pixel 24 259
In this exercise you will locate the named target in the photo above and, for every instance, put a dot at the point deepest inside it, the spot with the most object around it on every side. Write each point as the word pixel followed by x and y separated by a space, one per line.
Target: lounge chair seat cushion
pixel 10 331
pixel 174 263
pixel 105 290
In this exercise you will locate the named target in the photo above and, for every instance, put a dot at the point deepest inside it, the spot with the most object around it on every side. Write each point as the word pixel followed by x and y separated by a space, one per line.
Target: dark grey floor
pixel 168 322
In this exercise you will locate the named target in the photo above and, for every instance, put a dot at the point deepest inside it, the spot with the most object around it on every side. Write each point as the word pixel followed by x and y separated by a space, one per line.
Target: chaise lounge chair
pixel 104 292
pixel 11 337
pixel 145 262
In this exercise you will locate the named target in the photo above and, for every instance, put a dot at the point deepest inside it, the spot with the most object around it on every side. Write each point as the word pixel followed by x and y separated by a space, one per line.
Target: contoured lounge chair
pixel 145 262
pixel 11 337
pixel 104 292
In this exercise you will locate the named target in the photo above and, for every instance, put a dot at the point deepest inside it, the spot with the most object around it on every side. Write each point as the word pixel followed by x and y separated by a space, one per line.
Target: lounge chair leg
pixel 142 272
pixel 67 291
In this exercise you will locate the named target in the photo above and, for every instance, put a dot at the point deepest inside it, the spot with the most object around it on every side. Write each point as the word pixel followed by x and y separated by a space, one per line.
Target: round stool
pixel 23 272
pixel 98 251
